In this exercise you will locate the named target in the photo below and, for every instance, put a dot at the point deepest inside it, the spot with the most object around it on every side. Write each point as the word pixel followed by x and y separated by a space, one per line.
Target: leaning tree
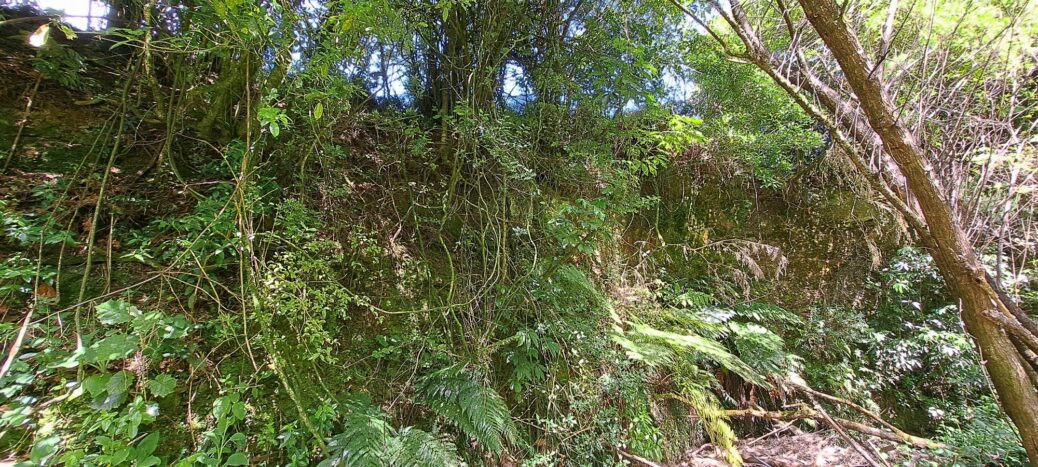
pixel 933 103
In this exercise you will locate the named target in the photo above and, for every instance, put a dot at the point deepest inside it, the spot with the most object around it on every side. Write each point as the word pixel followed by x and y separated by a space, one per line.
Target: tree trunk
pixel 952 252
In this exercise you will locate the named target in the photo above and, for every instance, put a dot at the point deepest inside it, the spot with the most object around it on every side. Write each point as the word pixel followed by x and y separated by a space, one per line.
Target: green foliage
pixel 457 394
pixel 204 239
pixel 369 440
pixel 911 347
pixel 749 117
pixel 528 353
pixel 310 200
pixel 108 414
pixel 694 387
pixel 18 273
pixel 272 117
pixel 306 305
pixel 981 435
pixel 680 134
pixel 657 347
pixel 61 64
pixel 222 445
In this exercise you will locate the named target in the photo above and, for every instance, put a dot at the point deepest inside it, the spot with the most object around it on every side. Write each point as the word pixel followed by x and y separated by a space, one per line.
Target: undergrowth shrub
pixel 981 435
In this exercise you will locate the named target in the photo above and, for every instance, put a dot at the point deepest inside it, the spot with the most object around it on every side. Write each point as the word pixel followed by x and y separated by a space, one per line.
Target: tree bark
pixel 952 252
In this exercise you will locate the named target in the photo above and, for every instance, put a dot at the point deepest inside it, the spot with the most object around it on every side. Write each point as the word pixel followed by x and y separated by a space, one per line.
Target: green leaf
pixel 318 111
pixel 120 456
pixel 96 384
pixel 457 394
pixel 44 448
pixel 120 382
pixel 69 33
pixel 190 460
pixel 113 312
pixel 238 458
pixel 162 385
pixel 110 348
pixel 238 410
pixel 72 361
pixel 147 446
pixel 275 130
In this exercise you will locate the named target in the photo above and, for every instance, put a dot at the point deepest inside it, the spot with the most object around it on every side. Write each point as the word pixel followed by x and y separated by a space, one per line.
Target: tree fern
pixel 761 348
pixel 457 394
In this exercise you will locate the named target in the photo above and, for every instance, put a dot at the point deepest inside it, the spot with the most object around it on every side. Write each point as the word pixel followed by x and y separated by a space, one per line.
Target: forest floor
pixel 820 449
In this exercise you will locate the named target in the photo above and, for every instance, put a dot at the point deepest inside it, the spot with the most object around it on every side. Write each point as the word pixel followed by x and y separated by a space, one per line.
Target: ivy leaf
pixel 162 385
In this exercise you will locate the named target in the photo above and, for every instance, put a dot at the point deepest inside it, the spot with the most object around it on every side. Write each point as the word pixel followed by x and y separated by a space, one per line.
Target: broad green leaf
pixel 120 382
pixel 238 458
pixel 96 384
pixel 120 456
pixel 110 348
pixel 162 385
pixel 113 312
pixel 147 446
pixel 45 448
pixel 318 111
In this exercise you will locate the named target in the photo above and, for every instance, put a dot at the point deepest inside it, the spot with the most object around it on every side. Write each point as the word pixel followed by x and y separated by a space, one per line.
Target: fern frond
pixel 457 394
pixel 365 440
pixel 706 347
pixel 414 447
pixel 644 350
pixel 575 282
pixel 767 313
pixel 694 386
pixel 708 321
pixel 715 423
pixel 694 299
pixel 368 440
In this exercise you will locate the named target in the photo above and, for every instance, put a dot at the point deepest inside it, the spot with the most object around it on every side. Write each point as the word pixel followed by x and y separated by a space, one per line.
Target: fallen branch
pixel 808 413
pixel 866 453
pixel 904 437
pixel 639 459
